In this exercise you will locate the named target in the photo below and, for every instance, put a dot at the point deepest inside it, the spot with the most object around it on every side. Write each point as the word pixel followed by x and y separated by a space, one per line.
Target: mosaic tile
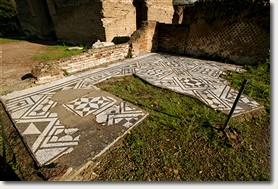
pixel 83 120
pixel 42 137
pixel 121 114
pixel 86 105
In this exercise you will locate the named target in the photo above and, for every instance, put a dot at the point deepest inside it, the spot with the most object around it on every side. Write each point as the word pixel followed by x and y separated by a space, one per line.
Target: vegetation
pixel 56 52
pixel 8 40
pixel 179 139
pixel 7 8
pixel 258 77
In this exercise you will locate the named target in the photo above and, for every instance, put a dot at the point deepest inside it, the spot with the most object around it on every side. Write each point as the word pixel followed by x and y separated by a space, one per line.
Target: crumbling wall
pixel 221 30
pixel 119 19
pixel 160 10
pixel 53 70
pixel 94 57
pixel 86 21
pixel 144 40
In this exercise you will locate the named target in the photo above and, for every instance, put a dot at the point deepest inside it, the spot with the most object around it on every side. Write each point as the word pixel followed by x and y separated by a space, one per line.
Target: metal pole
pixel 235 103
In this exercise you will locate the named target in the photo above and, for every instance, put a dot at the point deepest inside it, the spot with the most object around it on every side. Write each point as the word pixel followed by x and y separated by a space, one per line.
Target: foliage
pixel 7 8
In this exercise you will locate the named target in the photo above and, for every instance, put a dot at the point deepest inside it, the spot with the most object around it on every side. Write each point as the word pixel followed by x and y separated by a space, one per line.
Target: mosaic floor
pixel 72 121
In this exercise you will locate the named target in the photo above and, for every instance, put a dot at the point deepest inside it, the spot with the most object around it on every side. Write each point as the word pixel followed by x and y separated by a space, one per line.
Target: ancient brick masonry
pixel 144 40
pixel 160 10
pixel 211 30
pixel 94 57
pixel 49 71
pixel 119 19
pixel 86 21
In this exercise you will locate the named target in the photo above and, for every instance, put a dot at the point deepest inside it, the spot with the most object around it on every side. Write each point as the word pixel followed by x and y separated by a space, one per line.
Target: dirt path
pixel 16 60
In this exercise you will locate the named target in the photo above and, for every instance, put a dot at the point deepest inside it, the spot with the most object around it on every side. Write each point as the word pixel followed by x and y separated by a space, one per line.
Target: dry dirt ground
pixel 16 61
pixel 16 64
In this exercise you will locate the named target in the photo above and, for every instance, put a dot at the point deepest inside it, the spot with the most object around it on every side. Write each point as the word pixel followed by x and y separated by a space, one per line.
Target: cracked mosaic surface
pixel 48 139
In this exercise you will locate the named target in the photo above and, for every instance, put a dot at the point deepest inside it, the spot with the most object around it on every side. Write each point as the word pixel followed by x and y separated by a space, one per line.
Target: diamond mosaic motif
pixel 87 105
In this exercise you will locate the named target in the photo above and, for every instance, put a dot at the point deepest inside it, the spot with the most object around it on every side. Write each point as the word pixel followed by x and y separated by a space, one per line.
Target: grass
pixel 9 40
pixel 258 78
pixel 56 52
pixel 178 141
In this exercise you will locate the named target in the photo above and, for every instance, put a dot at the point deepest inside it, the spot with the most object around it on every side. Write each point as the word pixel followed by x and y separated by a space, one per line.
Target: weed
pixel 177 140
pixel 65 73
pixel 129 54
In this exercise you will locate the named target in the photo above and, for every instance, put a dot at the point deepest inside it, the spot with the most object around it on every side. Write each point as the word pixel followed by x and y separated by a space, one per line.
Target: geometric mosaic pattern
pixel 86 105
pixel 105 110
pixel 198 78
pixel 48 139
pixel 122 114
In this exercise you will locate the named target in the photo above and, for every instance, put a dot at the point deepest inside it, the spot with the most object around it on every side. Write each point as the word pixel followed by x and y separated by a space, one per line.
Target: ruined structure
pixel 86 21
pixel 237 31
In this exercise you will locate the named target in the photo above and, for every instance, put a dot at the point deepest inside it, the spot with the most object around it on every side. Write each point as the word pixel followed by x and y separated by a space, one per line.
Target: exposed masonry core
pixel 207 29
pixel 86 21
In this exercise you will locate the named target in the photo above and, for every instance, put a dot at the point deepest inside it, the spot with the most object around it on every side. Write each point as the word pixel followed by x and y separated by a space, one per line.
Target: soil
pixel 16 64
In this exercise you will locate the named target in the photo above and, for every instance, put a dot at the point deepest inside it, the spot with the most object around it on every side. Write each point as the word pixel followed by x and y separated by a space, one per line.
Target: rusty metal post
pixel 235 103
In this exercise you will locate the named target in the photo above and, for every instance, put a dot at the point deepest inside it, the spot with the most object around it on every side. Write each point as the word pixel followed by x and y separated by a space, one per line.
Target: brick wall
pixel 144 40
pixel 49 71
pixel 119 19
pixel 94 57
pixel 242 36
pixel 172 38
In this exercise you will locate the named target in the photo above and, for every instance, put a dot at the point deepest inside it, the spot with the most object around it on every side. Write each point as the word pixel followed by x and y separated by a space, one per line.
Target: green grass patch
pixel 9 40
pixel 258 82
pixel 177 141
pixel 56 52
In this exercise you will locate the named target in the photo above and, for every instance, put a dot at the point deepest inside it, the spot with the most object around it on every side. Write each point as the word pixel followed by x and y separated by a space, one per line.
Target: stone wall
pixel 86 21
pixel 144 40
pixel 160 10
pixel 119 19
pixel 213 31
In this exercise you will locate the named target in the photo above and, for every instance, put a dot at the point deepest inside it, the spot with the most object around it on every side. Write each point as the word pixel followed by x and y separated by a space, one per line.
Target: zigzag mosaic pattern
pixel 48 139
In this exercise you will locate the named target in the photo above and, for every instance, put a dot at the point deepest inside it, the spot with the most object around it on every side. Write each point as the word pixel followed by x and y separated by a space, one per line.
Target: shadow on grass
pixel 6 171
pixel 34 39
pixel 31 39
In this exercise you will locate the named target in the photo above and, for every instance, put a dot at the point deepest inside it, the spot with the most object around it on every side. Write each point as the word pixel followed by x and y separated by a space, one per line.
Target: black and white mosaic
pixel 86 105
pixel 48 139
